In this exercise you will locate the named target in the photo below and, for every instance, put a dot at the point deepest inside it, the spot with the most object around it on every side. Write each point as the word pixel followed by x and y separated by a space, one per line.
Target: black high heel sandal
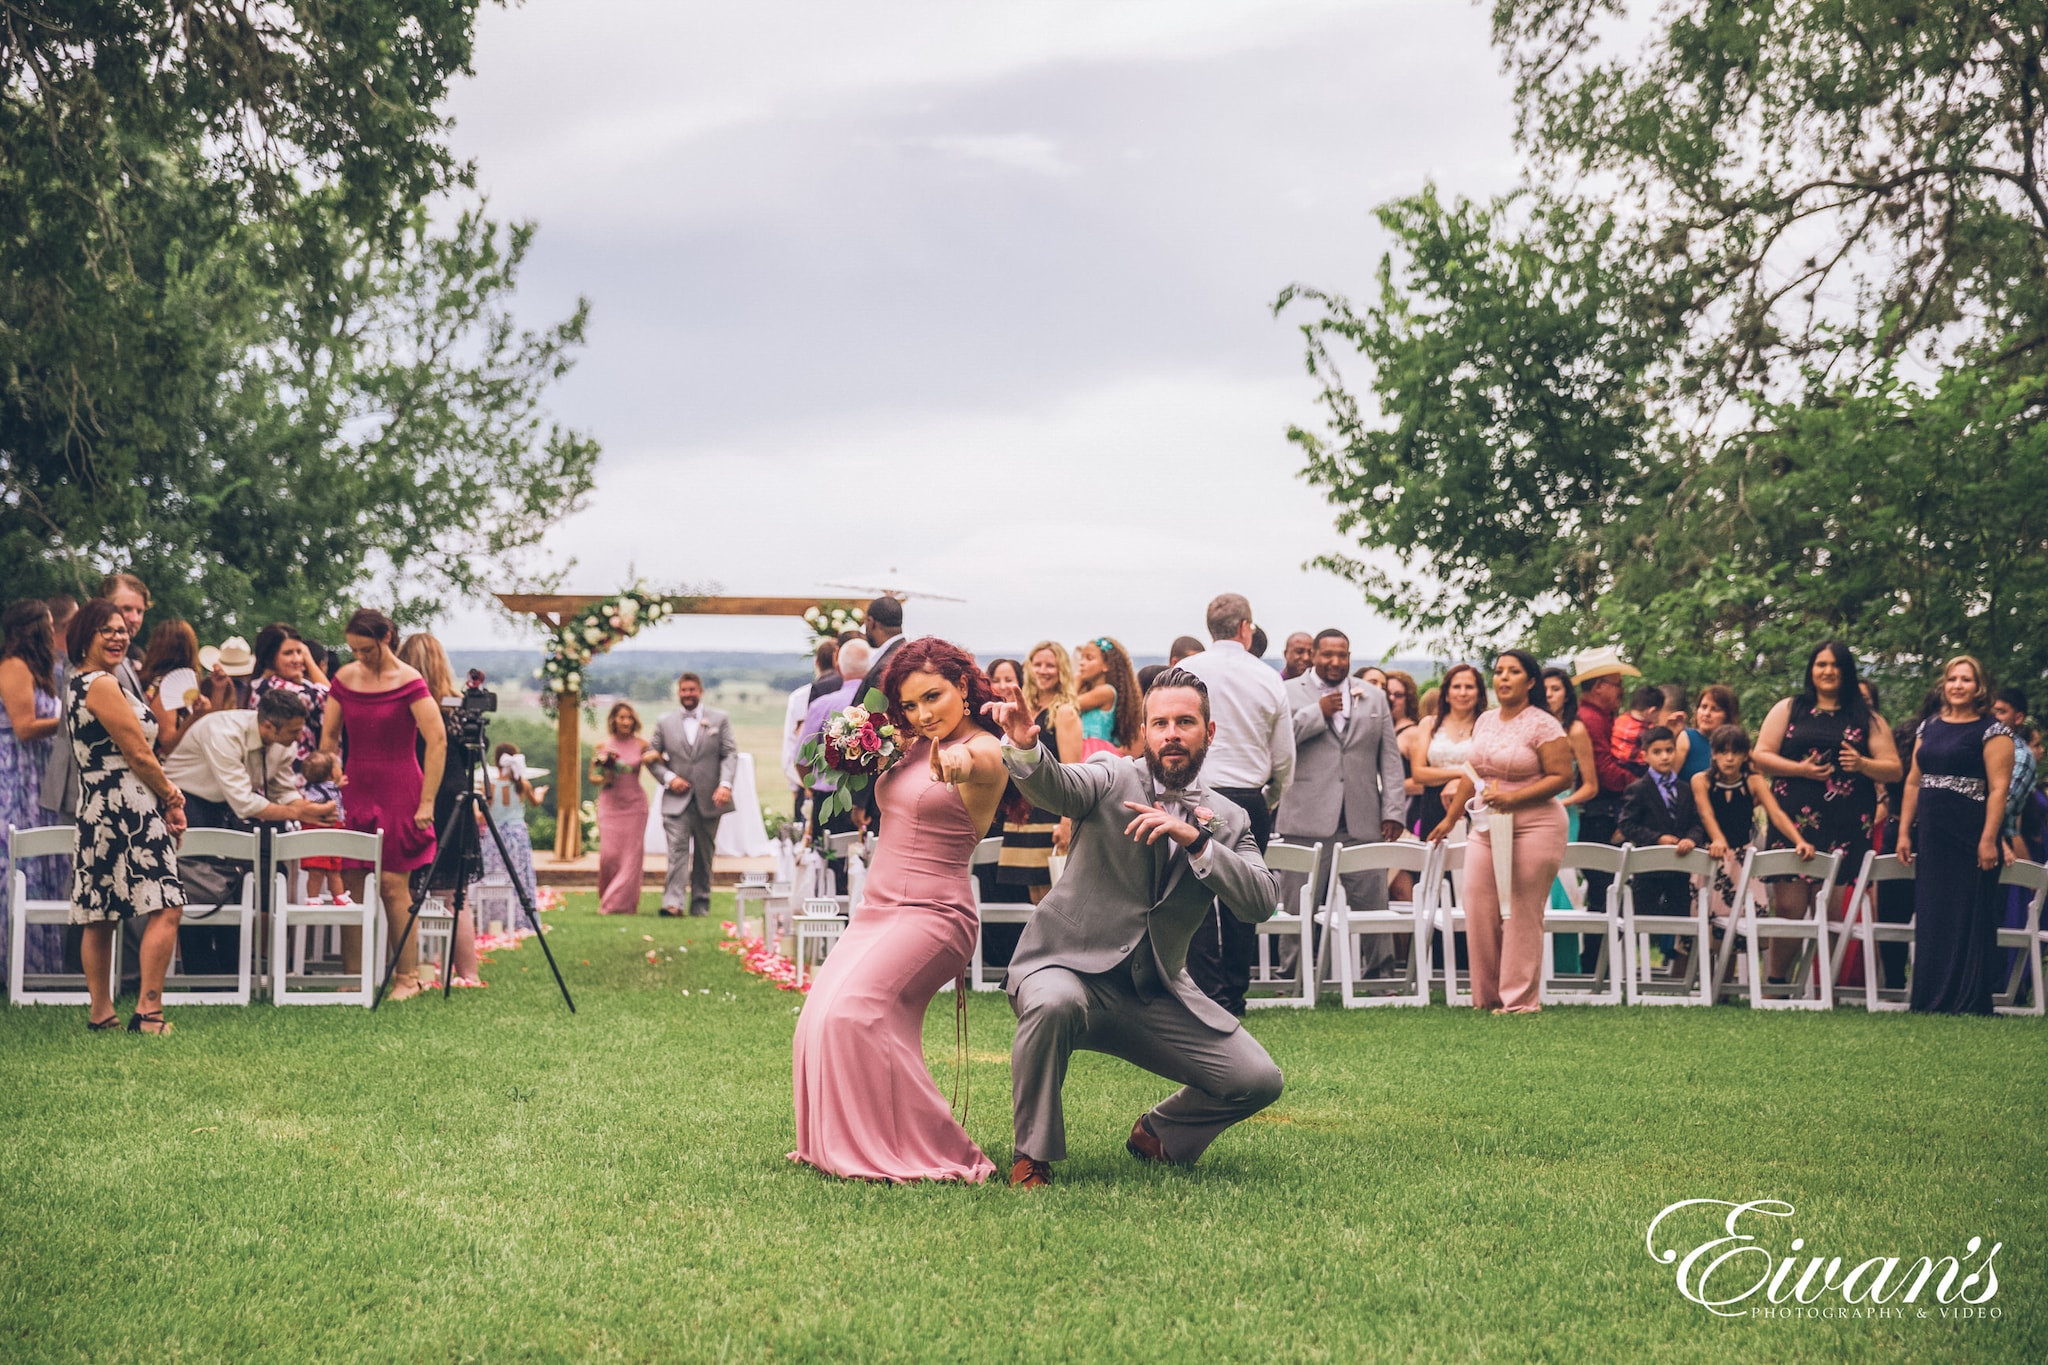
pixel 111 1021
pixel 138 1019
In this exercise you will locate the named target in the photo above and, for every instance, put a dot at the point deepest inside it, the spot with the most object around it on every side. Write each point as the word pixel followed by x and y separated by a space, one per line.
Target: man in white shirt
pixel 235 767
pixel 1251 761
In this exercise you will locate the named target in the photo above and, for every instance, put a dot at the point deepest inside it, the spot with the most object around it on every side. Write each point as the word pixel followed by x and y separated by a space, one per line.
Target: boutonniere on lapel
pixel 1209 820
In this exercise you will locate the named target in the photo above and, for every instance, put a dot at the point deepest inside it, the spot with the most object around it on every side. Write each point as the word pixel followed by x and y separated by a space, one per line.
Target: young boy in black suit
pixel 1658 810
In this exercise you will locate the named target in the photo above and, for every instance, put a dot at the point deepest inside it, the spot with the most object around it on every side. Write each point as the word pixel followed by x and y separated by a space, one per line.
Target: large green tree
pixel 233 354
pixel 1756 356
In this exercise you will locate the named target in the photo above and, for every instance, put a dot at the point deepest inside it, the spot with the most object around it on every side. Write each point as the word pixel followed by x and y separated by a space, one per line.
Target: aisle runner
pixel 761 960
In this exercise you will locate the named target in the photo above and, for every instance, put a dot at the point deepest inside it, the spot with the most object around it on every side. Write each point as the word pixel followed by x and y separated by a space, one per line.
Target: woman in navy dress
pixel 1953 805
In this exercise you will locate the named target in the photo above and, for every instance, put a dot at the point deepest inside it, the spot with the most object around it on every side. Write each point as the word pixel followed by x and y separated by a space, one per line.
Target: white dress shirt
pixel 223 758
pixel 793 734
pixel 693 724
pixel 1342 716
pixel 1254 744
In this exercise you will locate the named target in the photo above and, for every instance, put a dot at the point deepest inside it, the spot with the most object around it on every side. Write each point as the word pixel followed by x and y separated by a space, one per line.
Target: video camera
pixel 467 739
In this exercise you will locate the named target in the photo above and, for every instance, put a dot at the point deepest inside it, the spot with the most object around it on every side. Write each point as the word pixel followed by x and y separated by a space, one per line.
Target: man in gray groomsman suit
pixel 696 756
pixel 1347 784
pixel 1102 966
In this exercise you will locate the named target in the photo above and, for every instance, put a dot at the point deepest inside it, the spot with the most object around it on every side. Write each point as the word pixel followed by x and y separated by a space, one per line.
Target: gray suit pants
pixel 1224 1077
pixel 691 840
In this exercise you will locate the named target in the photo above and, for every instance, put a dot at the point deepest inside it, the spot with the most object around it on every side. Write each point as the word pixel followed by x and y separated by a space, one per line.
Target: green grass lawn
pixel 492 1179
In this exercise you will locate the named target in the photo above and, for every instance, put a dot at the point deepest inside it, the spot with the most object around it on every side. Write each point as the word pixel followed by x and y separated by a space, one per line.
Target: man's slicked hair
pixel 1181 677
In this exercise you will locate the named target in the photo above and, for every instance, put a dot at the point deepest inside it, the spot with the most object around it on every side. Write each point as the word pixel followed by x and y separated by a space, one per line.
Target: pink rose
pixel 870 742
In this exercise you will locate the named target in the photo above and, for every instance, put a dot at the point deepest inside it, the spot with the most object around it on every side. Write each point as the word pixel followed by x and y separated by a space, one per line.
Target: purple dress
pixel 866 1106
pixel 21 782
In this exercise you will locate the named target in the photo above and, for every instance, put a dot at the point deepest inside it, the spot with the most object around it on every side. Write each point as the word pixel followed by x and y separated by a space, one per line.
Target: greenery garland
pixel 592 631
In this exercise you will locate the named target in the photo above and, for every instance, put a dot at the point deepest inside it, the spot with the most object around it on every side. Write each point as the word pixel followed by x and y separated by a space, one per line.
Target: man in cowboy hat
pixel 1597 674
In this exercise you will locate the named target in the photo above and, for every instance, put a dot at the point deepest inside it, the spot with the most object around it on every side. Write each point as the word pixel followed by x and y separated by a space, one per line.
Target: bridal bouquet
pixel 604 766
pixel 860 744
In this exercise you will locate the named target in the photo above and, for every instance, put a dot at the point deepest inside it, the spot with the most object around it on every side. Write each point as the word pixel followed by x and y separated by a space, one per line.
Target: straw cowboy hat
pixel 1602 662
pixel 234 657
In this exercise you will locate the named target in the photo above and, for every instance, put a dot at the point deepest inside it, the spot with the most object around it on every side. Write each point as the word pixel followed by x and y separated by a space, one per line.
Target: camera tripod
pixel 469 802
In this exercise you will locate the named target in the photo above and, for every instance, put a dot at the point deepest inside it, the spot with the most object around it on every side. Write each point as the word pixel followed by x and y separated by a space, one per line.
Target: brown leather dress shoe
pixel 1145 1145
pixel 1028 1174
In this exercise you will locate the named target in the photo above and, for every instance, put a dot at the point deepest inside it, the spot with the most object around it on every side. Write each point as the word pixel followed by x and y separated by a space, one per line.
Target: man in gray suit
pixel 1102 966
pixel 1347 784
pixel 696 756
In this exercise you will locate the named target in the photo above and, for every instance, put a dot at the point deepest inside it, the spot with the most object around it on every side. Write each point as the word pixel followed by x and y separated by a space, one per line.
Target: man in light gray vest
pixel 1347 784
pixel 1102 966
pixel 696 757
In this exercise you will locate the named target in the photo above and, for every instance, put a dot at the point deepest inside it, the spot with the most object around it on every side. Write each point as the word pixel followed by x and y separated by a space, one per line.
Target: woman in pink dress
pixel 621 812
pixel 383 709
pixel 1523 757
pixel 866 1106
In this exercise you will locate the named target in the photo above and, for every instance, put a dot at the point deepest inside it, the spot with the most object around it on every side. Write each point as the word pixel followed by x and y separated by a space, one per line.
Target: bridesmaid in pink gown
pixel 621 814
pixel 866 1106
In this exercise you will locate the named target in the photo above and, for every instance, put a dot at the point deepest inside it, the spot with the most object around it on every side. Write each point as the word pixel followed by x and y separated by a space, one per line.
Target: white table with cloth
pixel 741 834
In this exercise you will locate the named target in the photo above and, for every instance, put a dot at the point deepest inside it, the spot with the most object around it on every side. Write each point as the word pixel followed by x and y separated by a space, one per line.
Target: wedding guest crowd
pixel 135 742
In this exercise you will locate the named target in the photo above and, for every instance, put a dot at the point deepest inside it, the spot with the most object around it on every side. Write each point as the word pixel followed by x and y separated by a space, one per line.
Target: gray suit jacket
pixel 1359 774
pixel 1120 897
pixel 706 765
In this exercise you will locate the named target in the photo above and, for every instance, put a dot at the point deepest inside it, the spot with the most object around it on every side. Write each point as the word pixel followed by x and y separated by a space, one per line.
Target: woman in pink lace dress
pixel 621 812
pixel 1524 761
pixel 866 1106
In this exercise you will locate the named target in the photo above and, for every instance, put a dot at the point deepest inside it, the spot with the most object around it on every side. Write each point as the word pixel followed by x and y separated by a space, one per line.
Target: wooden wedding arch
pixel 551 610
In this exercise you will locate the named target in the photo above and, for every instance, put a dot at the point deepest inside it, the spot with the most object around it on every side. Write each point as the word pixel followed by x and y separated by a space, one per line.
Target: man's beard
pixel 1181 780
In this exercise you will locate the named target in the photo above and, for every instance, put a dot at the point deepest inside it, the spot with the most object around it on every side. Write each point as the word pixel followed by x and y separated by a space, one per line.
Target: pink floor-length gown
pixel 866 1106
pixel 622 834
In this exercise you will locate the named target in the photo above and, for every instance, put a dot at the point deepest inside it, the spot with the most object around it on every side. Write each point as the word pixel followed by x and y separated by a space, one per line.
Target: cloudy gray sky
pixel 978 293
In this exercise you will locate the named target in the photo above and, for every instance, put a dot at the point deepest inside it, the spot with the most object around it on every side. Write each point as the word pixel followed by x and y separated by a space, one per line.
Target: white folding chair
pixel 1447 913
pixel 1696 986
pixel 1344 926
pixel 1862 923
pixel 44 988
pixel 1297 923
pixel 822 922
pixel 183 988
pixel 1602 985
pixel 1812 986
pixel 981 976
pixel 2026 963
pixel 754 886
pixel 304 987
pixel 434 931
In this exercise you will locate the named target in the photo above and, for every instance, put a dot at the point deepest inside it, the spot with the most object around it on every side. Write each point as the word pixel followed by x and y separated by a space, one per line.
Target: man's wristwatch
pixel 1202 841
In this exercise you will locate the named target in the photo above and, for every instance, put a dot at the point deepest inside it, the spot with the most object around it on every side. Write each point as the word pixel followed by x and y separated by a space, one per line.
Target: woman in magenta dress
pixel 383 710
pixel 866 1106
pixel 621 812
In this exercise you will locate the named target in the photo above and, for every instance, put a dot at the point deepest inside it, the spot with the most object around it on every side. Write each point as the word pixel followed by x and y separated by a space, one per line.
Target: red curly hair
pixel 930 654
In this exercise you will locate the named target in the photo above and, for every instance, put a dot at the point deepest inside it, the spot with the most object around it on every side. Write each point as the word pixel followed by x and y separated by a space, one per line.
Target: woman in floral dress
pixel 129 820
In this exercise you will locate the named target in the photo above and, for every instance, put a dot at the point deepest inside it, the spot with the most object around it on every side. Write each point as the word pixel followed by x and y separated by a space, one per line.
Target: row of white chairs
pixel 1726 954
pixel 285 976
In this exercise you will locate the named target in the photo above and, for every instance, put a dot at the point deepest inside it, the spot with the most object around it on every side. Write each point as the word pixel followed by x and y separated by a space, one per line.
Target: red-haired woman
pixel 866 1106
